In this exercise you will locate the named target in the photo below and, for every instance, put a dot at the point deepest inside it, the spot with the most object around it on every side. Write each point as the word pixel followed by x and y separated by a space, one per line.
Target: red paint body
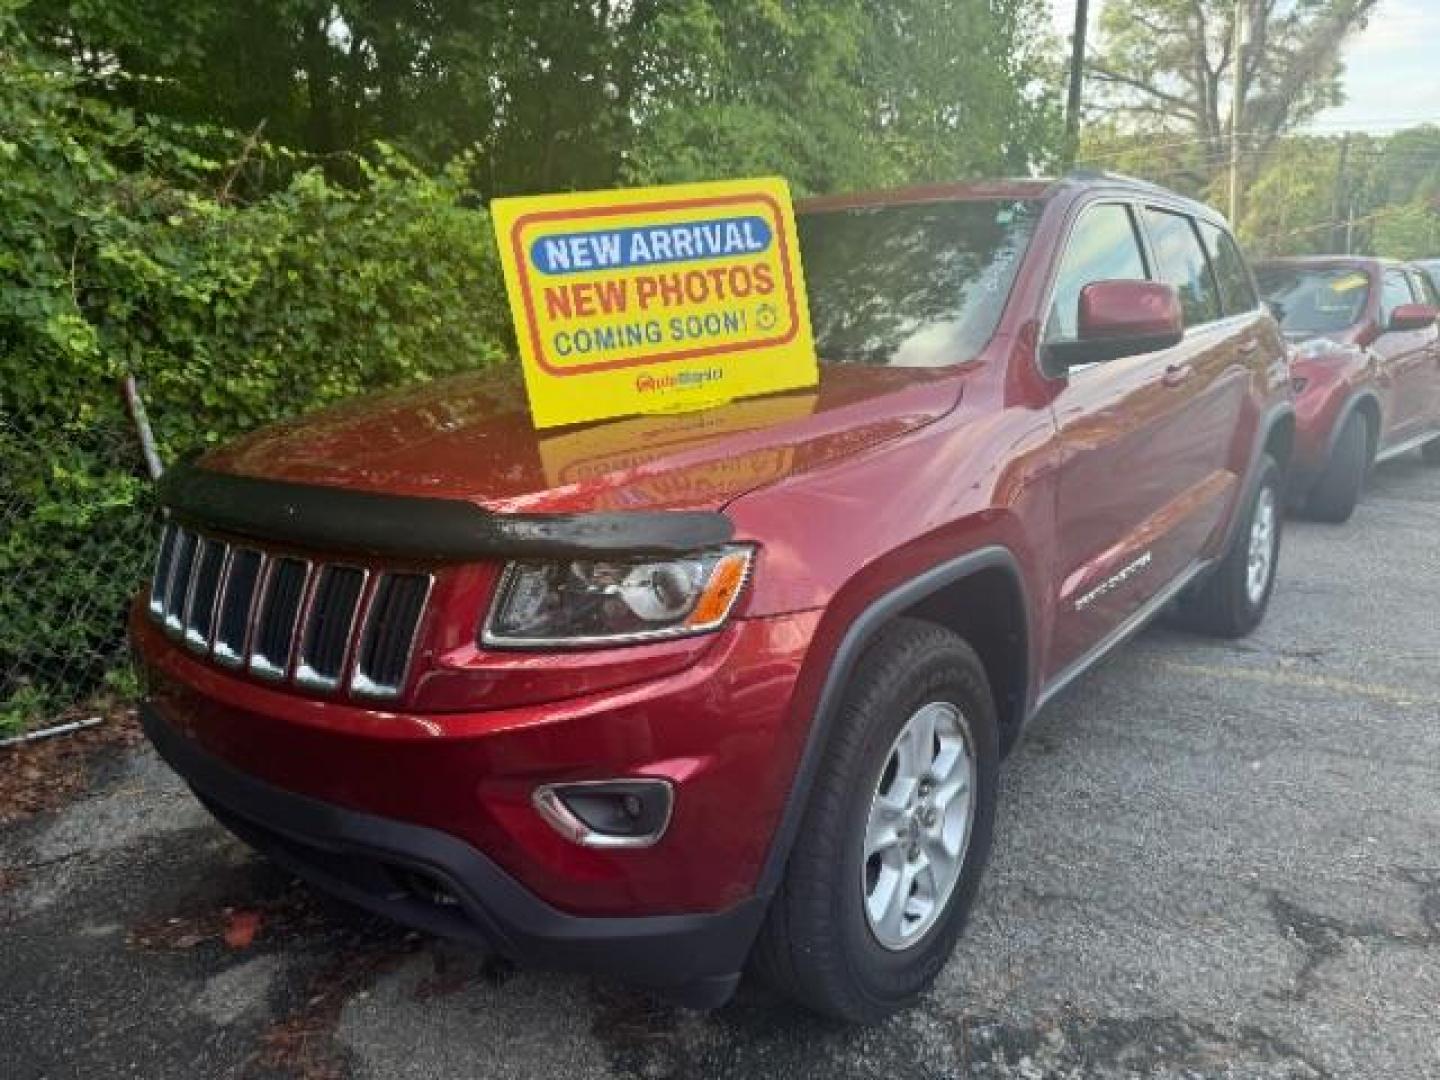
pixel 847 491
pixel 1399 370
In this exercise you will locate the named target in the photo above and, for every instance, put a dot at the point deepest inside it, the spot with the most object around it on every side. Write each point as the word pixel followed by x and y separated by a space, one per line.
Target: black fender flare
pixel 1347 410
pixel 858 635
pixel 1281 413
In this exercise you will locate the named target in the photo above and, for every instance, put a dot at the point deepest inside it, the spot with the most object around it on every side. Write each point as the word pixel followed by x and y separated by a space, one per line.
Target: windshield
pixel 918 285
pixel 1315 299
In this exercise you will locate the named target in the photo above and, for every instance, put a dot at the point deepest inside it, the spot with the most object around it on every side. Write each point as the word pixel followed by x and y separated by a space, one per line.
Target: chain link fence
pixel 77 525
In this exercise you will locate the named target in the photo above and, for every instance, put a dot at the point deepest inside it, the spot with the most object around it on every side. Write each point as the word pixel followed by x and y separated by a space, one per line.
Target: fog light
pixel 607 813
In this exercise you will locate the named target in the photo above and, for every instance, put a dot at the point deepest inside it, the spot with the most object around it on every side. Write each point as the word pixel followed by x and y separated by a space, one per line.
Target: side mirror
pixel 1412 317
pixel 1120 318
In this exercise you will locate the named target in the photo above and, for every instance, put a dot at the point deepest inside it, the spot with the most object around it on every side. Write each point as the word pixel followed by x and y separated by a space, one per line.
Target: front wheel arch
pixel 1367 405
pixel 820 944
pixel 929 585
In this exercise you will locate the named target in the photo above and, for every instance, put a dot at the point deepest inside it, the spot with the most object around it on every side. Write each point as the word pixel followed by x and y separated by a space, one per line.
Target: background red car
pixel 1366 370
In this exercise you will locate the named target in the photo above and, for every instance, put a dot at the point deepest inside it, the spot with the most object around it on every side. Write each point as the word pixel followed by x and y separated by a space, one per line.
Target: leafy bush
pixel 124 249
pixel 74 531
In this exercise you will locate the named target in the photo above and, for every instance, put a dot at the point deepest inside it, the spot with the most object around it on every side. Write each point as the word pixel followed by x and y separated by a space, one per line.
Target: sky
pixel 1392 70
pixel 1392 67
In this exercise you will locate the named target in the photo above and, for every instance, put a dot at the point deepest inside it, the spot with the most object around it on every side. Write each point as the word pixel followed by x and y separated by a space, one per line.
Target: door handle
pixel 1176 374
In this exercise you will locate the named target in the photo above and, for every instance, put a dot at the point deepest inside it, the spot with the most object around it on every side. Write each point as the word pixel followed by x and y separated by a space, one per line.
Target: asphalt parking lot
pixel 1213 860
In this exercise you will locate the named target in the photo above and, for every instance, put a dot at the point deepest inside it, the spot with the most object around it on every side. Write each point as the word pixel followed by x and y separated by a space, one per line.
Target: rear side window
pixel 1237 291
pixel 1424 288
pixel 1395 291
pixel 1102 247
pixel 1430 271
pixel 1180 261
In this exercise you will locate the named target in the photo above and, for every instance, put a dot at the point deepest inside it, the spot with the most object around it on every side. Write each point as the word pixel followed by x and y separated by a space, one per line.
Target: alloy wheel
pixel 1261 562
pixel 918 829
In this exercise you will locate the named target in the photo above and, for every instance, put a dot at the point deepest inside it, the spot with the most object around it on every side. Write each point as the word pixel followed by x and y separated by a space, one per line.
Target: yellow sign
pixel 655 299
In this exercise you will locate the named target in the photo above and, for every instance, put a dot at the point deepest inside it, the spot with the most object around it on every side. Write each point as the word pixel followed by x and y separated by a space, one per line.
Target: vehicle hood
pixel 470 437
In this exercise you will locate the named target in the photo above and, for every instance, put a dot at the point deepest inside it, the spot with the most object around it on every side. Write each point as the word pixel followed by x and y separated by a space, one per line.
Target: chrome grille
pixel 237 605
pixel 279 613
pixel 204 587
pixel 282 617
pixel 182 561
pixel 332 622
pixel 389 636
pixel 160 586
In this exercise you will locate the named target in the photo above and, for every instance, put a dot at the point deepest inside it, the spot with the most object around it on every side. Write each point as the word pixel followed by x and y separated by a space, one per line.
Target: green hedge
pixel 128 249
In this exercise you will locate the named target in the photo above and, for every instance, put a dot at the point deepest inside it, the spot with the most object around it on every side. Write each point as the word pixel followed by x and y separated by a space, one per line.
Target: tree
pixel 1409 231
pixel 1303 195
pixel 1408 168
pixel 1359 193
pixel 1169 67
pixel 557 94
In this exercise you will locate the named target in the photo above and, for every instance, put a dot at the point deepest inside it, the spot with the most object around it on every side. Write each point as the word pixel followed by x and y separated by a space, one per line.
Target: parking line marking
pixel 1394 695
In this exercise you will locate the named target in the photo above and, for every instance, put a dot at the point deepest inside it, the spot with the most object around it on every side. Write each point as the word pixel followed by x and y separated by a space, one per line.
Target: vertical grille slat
pixel 233 622
pixel 160 583
pixel 178 590
pixel 279 613
pixel 330 626
pixel 327 627
pixel 389 636
pixel 204 585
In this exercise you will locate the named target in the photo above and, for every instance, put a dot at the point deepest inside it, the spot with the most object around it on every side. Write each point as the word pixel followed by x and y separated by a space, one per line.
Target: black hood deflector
pixel 431 529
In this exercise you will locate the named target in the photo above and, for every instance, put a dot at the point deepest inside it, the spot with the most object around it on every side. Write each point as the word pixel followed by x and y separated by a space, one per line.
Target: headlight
pixel 615 601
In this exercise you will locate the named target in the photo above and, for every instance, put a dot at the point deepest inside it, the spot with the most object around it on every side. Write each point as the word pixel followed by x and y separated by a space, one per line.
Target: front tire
pixel 896 834
pixel 1232 600
pixel 1335 496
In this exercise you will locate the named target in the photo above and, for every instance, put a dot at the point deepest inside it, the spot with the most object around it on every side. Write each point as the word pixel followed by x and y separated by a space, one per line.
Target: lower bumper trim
pixel 428 879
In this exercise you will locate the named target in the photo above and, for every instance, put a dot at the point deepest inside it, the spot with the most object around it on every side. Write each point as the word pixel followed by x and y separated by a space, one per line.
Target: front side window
pixel 1103 247
pixel 1237 293
pixel 1311 300
pixel 1396 292
pixel 913 285
pixel 1180 261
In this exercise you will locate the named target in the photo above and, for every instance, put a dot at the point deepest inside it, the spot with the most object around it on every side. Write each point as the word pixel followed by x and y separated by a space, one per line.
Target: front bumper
pixel 431 880
pixel 721 731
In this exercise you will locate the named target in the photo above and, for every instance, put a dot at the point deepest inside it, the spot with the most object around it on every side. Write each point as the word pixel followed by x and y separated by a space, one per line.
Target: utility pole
pixel 1237 106
pixel 1077 80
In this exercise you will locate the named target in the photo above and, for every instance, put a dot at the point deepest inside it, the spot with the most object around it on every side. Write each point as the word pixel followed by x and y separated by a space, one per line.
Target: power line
pixel 1281 144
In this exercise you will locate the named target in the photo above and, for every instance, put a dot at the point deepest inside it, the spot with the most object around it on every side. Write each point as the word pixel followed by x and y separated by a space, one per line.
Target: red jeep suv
pixel 662 695
pixel 1366 370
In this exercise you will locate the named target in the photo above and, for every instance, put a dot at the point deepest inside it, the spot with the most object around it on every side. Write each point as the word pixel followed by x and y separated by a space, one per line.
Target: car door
pixel 1126 438
pixel 1406 362
pixel 1426 293
pixel 1208 375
